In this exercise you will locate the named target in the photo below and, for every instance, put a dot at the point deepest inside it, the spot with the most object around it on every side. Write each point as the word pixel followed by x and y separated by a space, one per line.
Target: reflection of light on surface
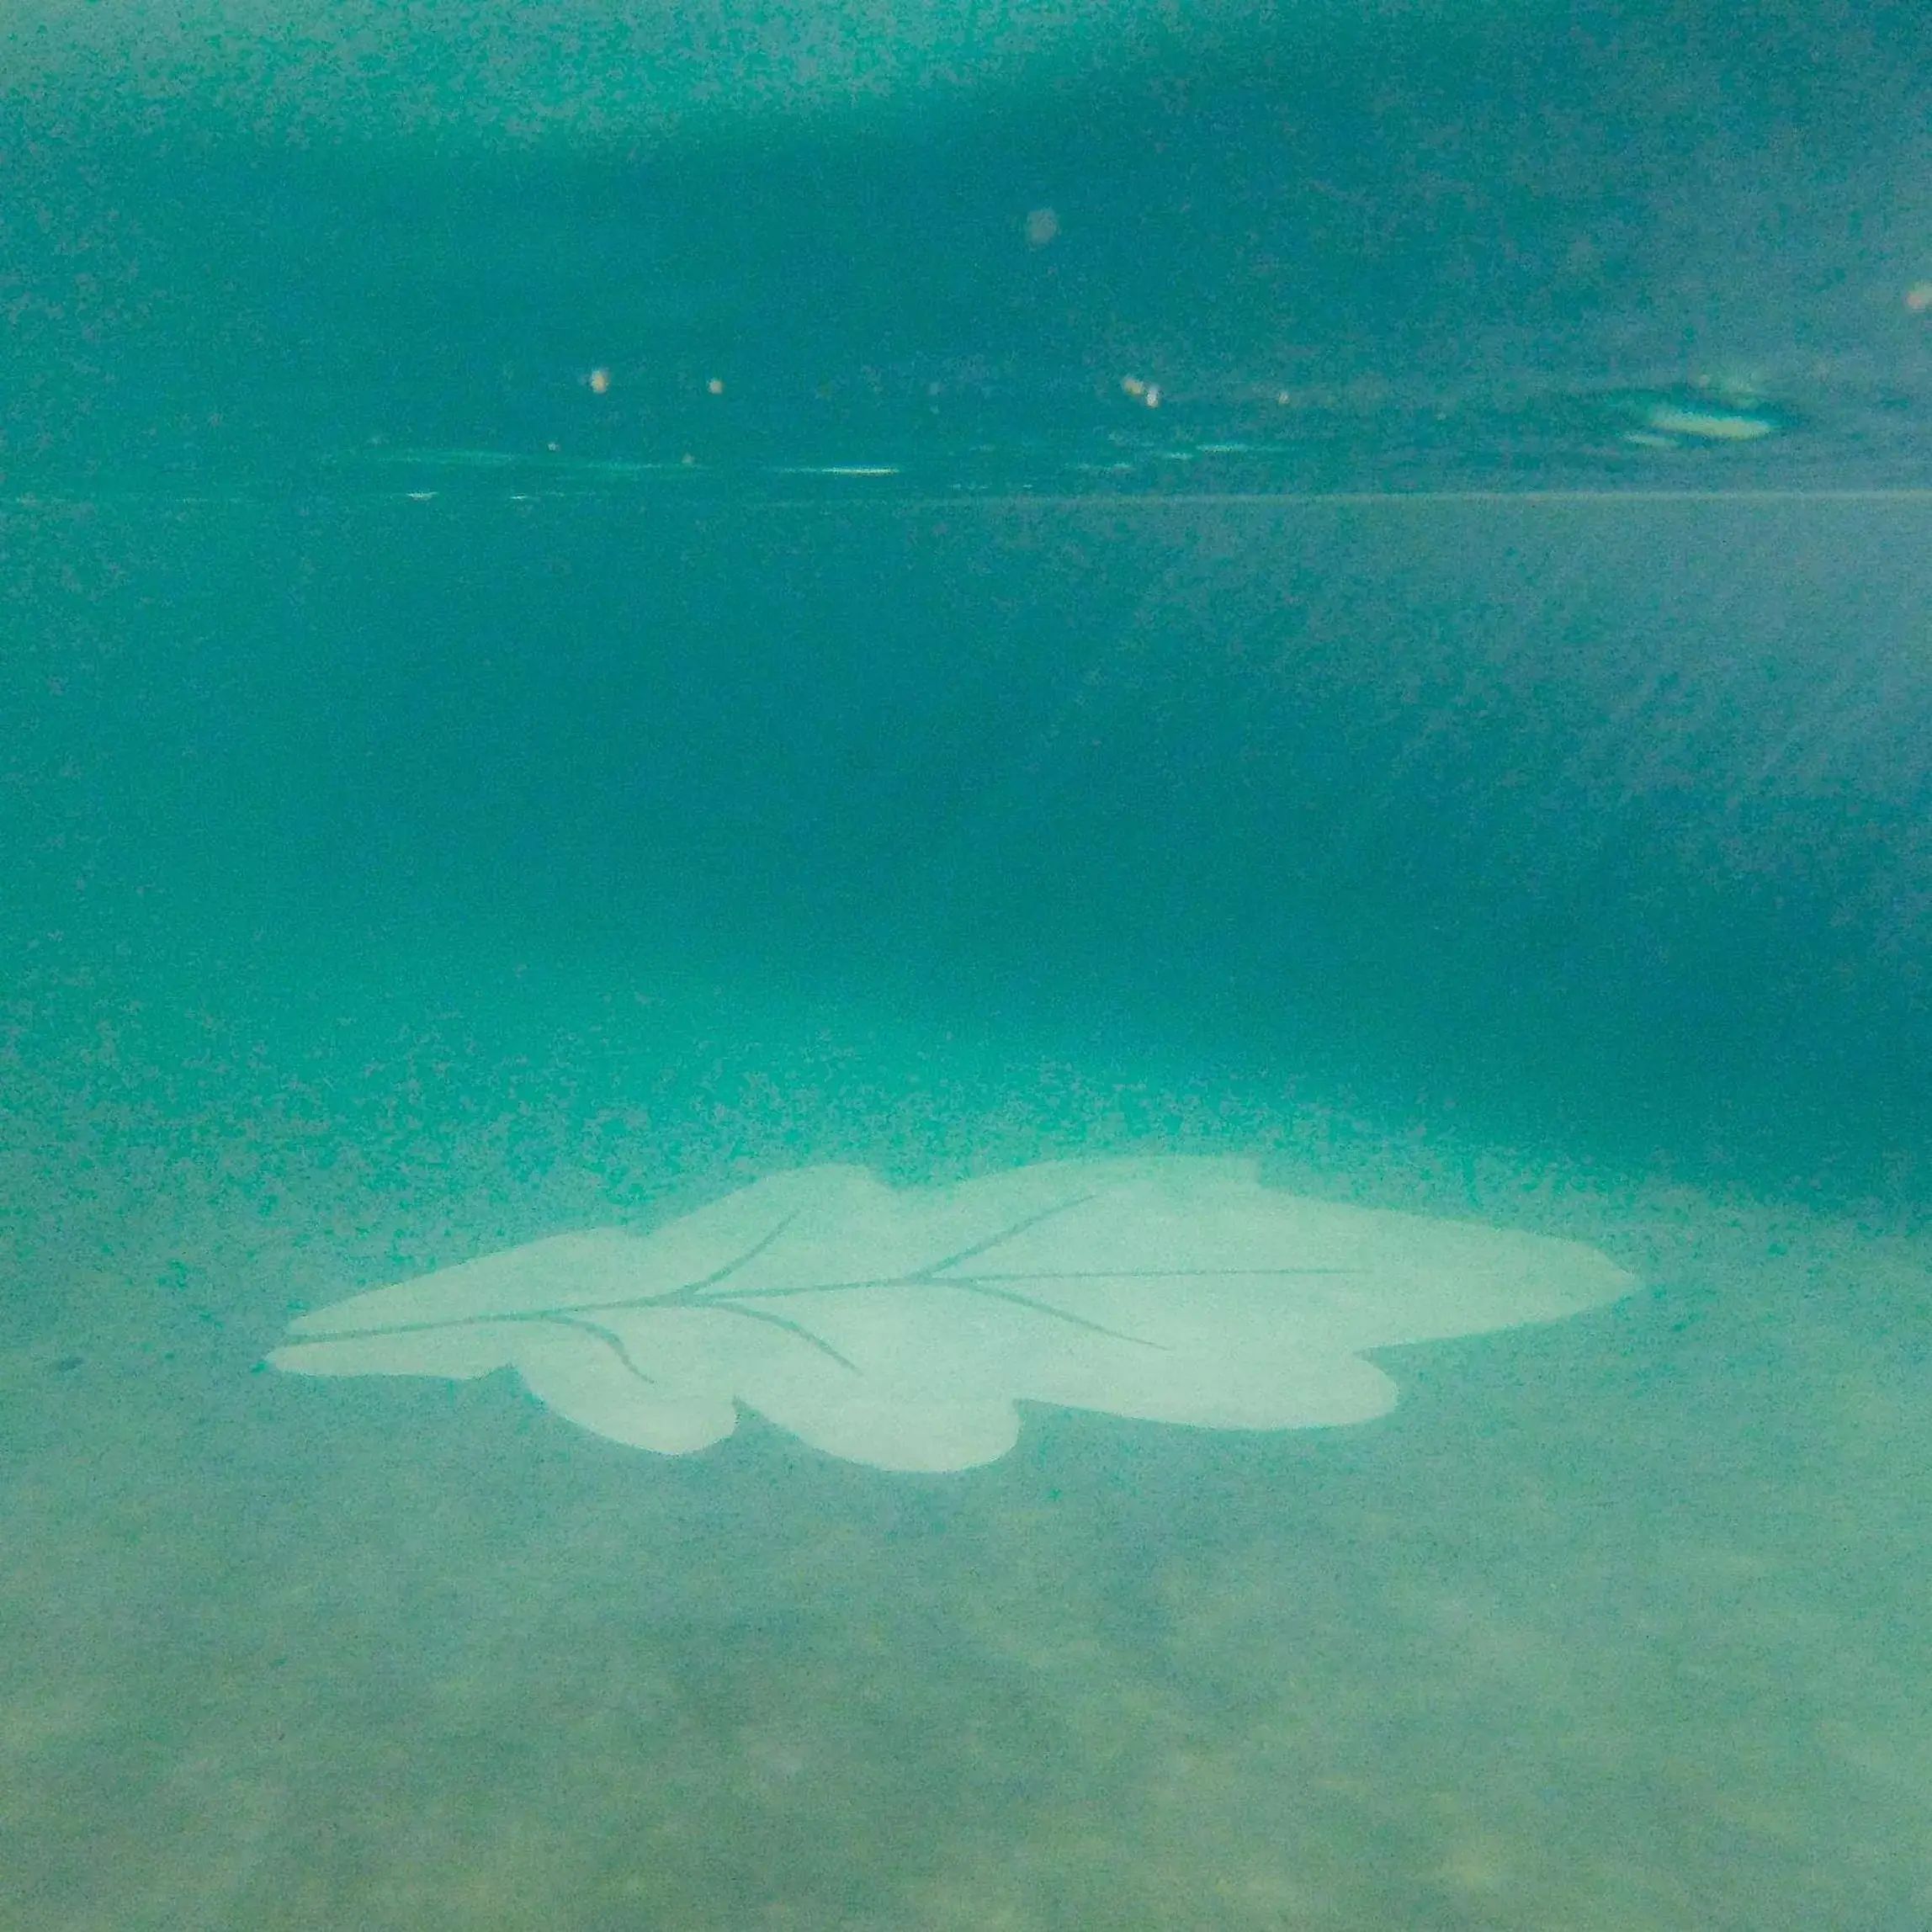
pixel 1146 392
pixel 1043 225
pixel 1708 425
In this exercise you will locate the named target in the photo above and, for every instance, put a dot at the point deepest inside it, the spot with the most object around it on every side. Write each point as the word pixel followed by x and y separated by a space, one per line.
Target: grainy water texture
pixel 1137 798
pixel 1617 1621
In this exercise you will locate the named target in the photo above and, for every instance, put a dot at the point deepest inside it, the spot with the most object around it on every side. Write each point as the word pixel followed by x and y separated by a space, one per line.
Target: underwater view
pixel 964 971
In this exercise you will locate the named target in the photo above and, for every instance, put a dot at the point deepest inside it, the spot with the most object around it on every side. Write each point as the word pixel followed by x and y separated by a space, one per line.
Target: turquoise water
pixel 569 645
pixel 401 882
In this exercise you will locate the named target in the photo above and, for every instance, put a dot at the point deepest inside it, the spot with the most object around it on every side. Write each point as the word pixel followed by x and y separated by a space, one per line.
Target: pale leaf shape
pixel 900 1328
